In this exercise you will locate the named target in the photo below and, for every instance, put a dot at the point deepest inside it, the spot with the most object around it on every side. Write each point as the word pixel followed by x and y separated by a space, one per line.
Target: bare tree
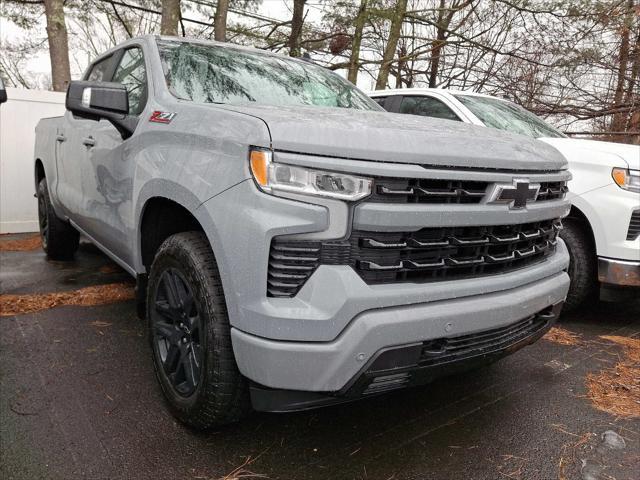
pixel 354 59
pixel 220 21
pixel 297 20
pixel 619 118
pixel 58 44
pixel 170 17
pixel 389 51
pixel 575 63
pixel 445 16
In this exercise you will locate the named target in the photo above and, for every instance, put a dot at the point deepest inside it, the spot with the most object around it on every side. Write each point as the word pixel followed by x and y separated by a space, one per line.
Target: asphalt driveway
pixel 78 399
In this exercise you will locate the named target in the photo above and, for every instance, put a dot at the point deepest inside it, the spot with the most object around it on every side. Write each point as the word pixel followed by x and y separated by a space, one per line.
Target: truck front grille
pixel 430 254
pixel 424 190
pixel 634 226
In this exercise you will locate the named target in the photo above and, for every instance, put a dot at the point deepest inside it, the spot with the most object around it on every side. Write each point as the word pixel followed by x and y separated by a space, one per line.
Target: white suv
pixel 603 228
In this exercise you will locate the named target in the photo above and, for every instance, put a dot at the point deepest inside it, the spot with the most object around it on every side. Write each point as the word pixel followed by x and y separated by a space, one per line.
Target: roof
pixel 232 46
pixel 149 38
pixel 418 91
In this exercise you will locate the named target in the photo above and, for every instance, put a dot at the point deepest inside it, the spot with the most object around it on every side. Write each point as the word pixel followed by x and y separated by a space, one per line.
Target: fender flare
pixel 168 190
pixel 589 214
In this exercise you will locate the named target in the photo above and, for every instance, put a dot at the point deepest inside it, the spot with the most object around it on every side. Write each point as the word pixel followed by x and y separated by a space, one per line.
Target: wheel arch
pixel 576 214
pixel 38 172
pixel 583 214
pixel 161 192
pixel 161 217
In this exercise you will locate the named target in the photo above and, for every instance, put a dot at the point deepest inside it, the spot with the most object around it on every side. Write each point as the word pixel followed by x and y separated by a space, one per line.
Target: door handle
pixel 61 138
pixel 89 141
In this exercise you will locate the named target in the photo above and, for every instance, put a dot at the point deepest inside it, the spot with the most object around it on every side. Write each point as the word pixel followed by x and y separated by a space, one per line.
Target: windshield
pixel 508 116
pixel 223 74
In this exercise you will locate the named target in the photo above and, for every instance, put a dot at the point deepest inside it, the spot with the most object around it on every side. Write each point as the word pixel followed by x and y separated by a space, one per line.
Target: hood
pixel 601 152
pixel 399 138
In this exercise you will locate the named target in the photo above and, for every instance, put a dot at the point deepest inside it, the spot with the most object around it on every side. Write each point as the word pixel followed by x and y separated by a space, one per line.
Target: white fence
pixel 18 120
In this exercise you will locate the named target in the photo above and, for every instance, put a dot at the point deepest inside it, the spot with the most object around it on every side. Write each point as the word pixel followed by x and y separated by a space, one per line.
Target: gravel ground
pixel 78 399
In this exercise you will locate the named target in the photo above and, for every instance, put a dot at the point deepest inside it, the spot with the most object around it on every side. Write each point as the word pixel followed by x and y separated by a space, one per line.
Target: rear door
pixel 108 170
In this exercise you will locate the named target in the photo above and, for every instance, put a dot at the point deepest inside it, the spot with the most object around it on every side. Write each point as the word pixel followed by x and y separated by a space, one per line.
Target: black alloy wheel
pixel 177 332
pixel 190 334
pixel 59 239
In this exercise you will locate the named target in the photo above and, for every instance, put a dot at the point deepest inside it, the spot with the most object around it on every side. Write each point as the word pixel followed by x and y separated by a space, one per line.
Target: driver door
pixel 72 153
pixel 107 173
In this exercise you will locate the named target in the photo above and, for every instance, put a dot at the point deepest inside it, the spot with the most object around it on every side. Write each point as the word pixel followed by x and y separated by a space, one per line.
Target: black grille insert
pixel 444 350
pixel 424 190
pixel 430 254
pixel 290 265
pixel 634 226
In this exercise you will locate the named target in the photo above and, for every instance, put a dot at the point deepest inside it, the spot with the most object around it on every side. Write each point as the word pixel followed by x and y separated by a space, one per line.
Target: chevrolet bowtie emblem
pixel 517 194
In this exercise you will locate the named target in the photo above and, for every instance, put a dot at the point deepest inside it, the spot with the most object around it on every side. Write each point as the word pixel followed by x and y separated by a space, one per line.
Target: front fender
pixel 169 190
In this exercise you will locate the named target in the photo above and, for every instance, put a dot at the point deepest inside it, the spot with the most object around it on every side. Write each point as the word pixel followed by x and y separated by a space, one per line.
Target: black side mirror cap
pixel 96 100
pixel 3 95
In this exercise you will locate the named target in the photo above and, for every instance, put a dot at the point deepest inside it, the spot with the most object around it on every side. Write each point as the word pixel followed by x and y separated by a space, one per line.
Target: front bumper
pixel 416 364
pixel 617 272
pixel 330 366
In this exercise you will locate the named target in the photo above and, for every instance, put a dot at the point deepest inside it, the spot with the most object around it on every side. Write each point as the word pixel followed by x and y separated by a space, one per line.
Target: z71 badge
pixel 162 117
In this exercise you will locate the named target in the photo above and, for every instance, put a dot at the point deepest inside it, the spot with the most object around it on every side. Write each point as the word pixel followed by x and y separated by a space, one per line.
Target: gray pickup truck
pixel 294 245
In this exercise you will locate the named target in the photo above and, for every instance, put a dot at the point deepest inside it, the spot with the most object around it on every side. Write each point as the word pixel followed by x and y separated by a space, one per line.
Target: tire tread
pixel 62 240
pixel 225 396
pixel 583 289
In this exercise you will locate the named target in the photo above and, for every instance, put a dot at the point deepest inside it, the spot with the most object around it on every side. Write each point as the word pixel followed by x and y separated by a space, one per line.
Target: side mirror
pixel 96 100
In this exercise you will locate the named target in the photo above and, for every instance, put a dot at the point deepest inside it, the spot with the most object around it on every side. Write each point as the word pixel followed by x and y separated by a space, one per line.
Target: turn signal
pixel 627 179
pixel 260 160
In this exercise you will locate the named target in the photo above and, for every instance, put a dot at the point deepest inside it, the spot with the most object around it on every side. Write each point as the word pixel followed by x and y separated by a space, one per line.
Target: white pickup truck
pixel 602 231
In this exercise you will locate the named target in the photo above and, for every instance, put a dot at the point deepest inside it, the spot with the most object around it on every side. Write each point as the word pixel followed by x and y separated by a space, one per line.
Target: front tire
pixel 583 268
pixel 190 335
pixel 59 239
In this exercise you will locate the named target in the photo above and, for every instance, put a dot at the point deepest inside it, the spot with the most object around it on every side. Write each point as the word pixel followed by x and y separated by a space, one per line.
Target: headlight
pixel 627 179
pixel 280 177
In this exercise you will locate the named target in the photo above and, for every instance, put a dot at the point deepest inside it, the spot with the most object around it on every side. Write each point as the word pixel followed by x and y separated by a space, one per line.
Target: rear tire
pixel 583 268
pixel 190 335
pixel 59 239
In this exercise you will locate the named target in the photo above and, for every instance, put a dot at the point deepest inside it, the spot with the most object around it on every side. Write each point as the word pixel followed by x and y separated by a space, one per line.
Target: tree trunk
pixel 220 21
pixel 354 60
pixel 632 94
pixel 402 52
pixel 58 44
pixel 170 17
pixel 296 27
pixel 620 118
pixel 438 44
pixel 390 49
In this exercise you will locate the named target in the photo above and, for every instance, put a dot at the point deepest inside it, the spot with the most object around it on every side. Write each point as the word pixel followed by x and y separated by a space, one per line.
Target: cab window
pixel 380 100
pixel 427 107
pixel 131 72
pixel 100 71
